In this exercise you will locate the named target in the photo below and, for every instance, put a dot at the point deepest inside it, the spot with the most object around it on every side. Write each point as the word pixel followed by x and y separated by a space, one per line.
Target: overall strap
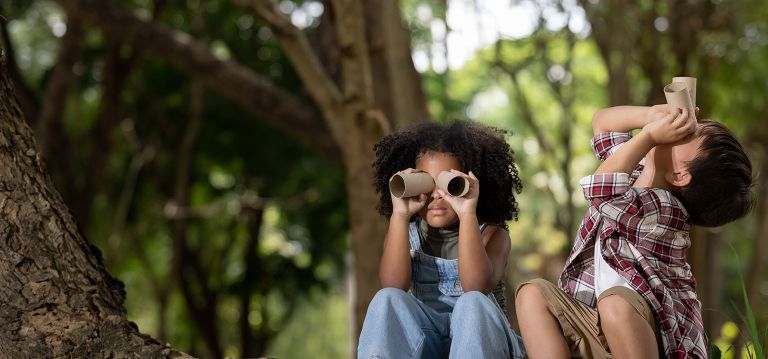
pixel 413 237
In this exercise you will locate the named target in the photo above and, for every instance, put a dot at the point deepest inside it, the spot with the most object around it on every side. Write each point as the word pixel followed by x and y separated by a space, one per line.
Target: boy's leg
pixel 479 329
pixel 629 333
pixel 398 325
pixel 540 328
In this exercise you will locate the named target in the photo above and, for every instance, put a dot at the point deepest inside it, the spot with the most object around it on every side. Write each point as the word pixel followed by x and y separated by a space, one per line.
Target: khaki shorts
pixel 581 324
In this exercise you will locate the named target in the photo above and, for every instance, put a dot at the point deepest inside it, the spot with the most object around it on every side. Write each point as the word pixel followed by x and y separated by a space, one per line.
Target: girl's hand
pixel 668 128
pixel 467 204
pixel 408 206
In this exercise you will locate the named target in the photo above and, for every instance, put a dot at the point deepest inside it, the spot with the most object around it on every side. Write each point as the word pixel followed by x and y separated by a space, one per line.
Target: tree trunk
pixel 56 297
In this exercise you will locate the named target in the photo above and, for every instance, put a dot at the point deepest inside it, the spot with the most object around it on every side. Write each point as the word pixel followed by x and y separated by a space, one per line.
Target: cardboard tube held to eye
pixel 678 97
pixel 404 185
pixel 690 84
pixel 453 183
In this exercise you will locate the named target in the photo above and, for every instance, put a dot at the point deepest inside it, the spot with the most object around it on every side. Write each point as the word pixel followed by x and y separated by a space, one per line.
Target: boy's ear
pixel 679 178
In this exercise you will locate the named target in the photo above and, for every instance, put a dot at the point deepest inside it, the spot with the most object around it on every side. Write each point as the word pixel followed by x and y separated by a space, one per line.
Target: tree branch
pixel 297 48
pixel 291 115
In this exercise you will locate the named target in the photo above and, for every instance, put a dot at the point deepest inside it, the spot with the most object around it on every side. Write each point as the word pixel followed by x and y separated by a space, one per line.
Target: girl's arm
pixel 395 268
pixel 482 256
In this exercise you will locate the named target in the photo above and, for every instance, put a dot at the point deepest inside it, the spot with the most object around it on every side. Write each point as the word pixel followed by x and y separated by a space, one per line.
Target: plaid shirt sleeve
pixel 602 186
pixel 604 144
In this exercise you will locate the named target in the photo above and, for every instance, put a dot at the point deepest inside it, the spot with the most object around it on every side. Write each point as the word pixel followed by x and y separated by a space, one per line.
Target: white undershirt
pixel 605 276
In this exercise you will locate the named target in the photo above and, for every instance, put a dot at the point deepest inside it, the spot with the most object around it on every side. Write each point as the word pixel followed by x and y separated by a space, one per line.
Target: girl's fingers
pixel 443 193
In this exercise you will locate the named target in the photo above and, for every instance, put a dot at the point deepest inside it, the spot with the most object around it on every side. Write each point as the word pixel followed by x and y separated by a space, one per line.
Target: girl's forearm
pixel 620 119
pixel 475 268
pixel 395 269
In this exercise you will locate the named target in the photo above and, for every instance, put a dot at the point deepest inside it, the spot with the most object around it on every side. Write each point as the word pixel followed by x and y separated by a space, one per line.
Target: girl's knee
pixel 388 295
pixel 473 296
pixel 471 302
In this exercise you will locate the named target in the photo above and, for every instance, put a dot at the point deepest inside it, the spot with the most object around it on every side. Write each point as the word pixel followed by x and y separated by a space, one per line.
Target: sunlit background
pixel 265 225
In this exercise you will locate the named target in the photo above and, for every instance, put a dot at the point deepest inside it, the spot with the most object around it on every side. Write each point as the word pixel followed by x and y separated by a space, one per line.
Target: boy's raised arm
pixel 661 128
pixel 624 118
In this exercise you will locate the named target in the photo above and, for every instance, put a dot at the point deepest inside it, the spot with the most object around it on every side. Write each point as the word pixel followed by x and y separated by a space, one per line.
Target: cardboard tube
pixel 403 185
pixel 690 84
pixel 453 183
pixel 678 97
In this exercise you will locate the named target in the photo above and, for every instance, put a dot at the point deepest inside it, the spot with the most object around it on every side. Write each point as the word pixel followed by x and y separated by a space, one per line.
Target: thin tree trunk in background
pixel 253 274
pixel 114 75
pixel 56 297
pixel 52 138
pixel 610 34
pixel 27 99
pixel 201 302
pixel 756 271
pixel 396 83
pixel 704 257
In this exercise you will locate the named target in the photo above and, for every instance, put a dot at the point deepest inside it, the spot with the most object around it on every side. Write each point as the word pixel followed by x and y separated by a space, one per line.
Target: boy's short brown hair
pixel 721 178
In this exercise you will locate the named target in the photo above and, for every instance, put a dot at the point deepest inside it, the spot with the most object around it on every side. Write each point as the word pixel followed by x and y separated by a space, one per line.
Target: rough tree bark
pixel 56 297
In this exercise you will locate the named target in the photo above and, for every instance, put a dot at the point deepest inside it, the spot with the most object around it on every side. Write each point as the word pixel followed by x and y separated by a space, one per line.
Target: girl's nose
pixel 435 194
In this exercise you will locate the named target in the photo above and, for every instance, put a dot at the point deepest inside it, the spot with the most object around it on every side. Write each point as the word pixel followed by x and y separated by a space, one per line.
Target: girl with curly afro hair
pixel 444 255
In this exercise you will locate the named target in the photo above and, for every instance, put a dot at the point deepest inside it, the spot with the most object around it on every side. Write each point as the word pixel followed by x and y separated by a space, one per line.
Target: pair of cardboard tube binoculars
pixel 404 185
pixel 681 93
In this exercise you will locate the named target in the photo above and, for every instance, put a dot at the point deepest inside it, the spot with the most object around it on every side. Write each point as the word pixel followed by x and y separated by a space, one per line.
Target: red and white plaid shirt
pixel 644 234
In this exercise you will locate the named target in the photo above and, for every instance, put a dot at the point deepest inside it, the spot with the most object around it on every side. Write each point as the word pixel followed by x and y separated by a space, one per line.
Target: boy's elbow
pixel 598 120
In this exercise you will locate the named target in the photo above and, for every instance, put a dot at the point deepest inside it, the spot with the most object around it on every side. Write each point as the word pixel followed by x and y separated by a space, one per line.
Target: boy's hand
pixel 408 206
pixel 666 128
pixel 664 109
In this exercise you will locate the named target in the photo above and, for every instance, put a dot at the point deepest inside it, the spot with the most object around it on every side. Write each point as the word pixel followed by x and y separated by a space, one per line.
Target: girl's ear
pixel 679 178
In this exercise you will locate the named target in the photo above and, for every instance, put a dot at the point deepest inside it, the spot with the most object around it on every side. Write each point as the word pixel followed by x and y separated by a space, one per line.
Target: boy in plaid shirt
pixel 626 289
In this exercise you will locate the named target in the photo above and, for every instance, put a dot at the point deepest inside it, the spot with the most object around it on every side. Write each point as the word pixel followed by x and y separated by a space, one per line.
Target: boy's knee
pixel 615 311
pixel 529 295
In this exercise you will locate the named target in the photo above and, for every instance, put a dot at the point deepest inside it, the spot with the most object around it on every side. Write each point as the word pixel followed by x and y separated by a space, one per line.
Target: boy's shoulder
pixel 646 207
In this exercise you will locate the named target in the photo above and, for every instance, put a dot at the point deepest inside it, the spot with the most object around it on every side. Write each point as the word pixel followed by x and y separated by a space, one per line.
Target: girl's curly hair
pixel 478 148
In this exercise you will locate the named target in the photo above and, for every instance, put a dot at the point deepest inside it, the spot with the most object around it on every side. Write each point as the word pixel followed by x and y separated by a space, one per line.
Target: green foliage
pixel 748 317
pixel 240 164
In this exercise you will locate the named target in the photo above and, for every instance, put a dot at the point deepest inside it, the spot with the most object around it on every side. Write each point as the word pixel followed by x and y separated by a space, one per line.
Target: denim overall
pixel 436 319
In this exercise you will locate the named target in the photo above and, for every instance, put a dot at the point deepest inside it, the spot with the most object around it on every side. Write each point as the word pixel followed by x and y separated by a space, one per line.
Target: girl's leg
pixel 541 331
pixel 479 329
pixel 628 334
pixel 398 325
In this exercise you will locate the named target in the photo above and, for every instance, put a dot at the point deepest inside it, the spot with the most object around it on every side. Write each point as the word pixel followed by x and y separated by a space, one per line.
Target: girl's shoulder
pixel 490 230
